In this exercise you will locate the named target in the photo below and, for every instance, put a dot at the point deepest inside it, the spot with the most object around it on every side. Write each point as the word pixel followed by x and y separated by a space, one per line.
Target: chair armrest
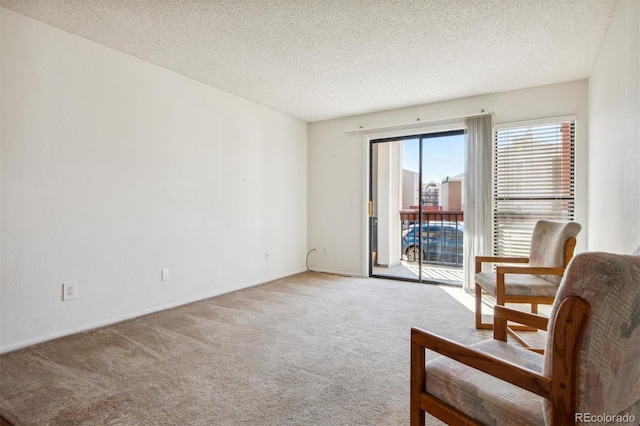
pixel 498 259
pixel 502 314
pixel 501 259
pixel 529 270
pixel 502 369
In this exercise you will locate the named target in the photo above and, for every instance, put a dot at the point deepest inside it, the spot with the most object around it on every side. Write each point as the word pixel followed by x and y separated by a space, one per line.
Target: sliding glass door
pixel 416 199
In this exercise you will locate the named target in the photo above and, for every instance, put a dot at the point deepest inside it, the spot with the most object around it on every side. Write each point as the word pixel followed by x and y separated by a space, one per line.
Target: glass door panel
pixel 393 188
pixel 416 206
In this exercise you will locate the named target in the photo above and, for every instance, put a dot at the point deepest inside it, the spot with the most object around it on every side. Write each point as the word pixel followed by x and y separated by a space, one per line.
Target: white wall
pixel 337 166
pixel 614 136
pixel 410 189
pixel 113 168
pixel 389 188
pixel 1 156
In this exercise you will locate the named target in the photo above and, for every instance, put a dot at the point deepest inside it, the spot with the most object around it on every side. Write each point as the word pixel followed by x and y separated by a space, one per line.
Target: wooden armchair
pixel 590 366
pixel 552 246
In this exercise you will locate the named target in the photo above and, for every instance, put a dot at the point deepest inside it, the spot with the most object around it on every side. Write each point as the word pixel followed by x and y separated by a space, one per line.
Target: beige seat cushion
pixel 484 397
pixel 517 284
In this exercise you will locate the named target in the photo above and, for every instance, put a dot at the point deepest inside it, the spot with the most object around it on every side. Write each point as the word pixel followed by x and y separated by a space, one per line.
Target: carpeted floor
pixel 310 349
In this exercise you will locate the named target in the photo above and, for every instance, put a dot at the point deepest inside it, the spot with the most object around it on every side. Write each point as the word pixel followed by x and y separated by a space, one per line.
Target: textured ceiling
pixel 330 58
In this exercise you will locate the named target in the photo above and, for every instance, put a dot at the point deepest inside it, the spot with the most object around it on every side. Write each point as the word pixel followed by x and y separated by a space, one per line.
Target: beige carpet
pixel 310 349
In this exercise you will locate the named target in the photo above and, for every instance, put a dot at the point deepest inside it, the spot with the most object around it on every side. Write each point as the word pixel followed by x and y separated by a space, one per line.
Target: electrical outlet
pixel 266 255
pixel 326 250
pixel 165 276
pixel 69 291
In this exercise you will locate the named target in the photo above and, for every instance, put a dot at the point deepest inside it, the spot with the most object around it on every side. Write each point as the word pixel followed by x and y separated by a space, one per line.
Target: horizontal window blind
pixel 533 179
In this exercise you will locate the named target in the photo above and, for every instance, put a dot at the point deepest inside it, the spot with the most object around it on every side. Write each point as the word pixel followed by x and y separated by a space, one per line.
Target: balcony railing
pixel 439 241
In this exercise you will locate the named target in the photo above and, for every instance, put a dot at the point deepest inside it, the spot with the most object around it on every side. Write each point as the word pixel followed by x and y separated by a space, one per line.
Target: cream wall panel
pixel 113 168
pixel 614 136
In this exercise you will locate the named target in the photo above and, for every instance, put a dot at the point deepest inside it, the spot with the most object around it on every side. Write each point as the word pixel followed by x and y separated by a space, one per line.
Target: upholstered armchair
pixel 536 280
pixel 590 366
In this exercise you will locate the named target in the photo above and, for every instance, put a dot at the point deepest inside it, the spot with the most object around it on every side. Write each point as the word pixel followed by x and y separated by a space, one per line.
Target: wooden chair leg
pixel 478 306
pixel 479 324
pixel 534 308
pixel 418 384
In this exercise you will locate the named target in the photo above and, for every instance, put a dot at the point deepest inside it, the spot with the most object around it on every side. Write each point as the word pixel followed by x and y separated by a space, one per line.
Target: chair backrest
pixel 548 245
pixel 609 356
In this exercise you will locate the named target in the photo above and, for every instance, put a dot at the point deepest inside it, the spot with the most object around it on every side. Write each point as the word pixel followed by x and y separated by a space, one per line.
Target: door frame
pixel 416 132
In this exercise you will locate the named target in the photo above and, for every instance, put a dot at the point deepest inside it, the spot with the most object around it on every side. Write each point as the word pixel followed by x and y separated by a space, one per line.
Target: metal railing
pixel 440 236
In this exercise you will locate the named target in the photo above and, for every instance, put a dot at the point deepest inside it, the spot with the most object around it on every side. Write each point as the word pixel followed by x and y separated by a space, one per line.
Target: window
pixel 533 179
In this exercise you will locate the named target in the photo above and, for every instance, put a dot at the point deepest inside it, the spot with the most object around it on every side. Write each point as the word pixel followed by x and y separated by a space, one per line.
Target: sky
pixel 442 157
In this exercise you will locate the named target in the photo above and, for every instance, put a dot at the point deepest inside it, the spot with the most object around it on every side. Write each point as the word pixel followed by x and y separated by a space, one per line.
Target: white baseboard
pixel 29 342
pixel 329 271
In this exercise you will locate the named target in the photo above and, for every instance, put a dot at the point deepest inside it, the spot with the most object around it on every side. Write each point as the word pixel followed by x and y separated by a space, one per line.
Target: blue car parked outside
pixel 441 243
